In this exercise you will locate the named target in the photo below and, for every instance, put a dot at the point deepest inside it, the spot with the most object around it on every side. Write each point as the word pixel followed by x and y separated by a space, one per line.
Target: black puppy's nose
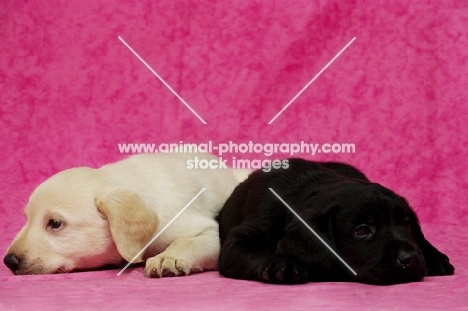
pixel 12 261
pixel 408 259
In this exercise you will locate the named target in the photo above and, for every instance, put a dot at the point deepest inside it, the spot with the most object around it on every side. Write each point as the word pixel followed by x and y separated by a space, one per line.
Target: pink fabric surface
pixel 70 91
pixel 105 290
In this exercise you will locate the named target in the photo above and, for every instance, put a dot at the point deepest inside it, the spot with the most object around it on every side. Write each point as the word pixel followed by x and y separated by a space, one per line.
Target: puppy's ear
pixel 132 222
pixel 300 240
pixel 437 263
pixel 324 221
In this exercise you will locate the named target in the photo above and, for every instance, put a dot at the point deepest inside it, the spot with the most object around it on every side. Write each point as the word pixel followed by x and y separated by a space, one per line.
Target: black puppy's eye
pixel 362 230
pixel 54 224
pixel 408 224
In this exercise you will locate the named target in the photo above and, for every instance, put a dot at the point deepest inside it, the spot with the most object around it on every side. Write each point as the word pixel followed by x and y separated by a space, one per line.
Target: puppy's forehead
pixel 379 211
pixel 379 204
pixel 69 177
pixel 61 189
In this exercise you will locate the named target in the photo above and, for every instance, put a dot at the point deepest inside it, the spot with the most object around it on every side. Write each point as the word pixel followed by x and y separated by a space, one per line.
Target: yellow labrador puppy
pixel 84 218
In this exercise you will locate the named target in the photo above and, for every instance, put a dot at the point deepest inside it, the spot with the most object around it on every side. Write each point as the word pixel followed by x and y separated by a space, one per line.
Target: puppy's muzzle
pixel 408 261
pixel 12 261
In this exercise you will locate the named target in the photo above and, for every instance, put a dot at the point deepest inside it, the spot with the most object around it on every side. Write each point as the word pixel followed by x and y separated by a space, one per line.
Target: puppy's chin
pixel 65 269
pixel 101 268
pixel 41 270
pixel 97 262
pixel 389 277
pixel 68 265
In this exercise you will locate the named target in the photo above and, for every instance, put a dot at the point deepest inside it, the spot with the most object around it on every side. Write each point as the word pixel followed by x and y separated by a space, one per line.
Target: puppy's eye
pixel 408 224
pixel 362 230
pixel 54 224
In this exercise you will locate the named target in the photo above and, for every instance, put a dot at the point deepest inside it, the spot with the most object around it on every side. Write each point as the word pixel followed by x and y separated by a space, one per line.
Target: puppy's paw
pixel 438 264
pixel 285 271
pixel 166 266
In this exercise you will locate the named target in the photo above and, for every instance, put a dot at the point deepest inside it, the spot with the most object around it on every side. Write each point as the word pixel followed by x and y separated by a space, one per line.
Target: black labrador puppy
pixel 372 229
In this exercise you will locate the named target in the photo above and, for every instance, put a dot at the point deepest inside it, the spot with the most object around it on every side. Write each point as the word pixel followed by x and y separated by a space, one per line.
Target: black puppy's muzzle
pixel 408 261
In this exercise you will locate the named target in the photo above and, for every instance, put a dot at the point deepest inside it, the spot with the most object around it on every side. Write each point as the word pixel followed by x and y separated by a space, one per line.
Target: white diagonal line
pixel 313 79
pixel 162 230
pixel 312 230
pixel 162 80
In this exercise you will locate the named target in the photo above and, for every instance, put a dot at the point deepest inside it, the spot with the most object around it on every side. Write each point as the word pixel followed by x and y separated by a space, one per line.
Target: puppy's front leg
pixel 288 265
pixel 186 255
pixel 300 257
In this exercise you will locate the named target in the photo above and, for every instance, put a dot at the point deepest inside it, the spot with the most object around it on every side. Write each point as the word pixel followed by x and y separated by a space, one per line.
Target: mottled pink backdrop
pixel 71 91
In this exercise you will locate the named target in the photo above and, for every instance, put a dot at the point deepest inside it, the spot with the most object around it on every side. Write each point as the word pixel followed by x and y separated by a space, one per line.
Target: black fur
pixel 373 229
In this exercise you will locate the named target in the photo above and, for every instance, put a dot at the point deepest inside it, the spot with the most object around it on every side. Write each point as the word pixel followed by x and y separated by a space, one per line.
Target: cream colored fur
pixel 111 213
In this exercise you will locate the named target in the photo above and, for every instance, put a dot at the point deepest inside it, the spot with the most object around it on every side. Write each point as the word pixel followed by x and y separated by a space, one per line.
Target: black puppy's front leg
pixel 244 252
pixel 287 266
pixel 301 257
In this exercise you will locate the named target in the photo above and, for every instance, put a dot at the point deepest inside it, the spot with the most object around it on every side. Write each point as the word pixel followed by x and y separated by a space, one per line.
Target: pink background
pixel 70 91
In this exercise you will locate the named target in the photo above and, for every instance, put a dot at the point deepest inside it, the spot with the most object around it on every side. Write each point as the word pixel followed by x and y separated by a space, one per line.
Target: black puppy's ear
pixel 313 225
pixel 437 263
pixel 324 221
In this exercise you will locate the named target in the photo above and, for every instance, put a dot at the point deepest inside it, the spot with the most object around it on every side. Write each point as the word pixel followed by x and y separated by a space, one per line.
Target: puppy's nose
pixel 408 259
pixel 12 261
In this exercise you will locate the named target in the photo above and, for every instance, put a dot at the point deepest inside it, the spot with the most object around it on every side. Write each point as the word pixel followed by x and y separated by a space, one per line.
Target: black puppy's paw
pixel 438 264
pixel 285 271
